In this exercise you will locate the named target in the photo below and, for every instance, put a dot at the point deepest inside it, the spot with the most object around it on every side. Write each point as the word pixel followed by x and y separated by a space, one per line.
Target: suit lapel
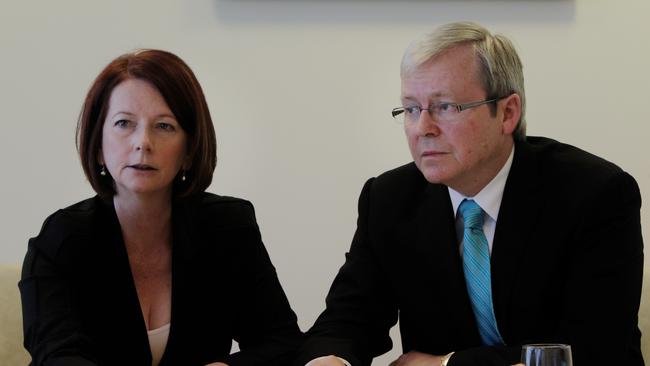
pixel 440 236
pixel 518 216
pixel 445 253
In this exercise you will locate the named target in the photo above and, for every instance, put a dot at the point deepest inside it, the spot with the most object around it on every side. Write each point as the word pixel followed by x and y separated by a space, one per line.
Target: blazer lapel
pixel 182 253
pixel 116 280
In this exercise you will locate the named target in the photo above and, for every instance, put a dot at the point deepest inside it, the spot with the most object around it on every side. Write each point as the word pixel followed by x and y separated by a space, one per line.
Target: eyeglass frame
pixel 458 106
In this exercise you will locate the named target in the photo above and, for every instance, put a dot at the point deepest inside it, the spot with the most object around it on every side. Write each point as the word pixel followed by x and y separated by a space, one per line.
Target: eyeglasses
pixel 443 112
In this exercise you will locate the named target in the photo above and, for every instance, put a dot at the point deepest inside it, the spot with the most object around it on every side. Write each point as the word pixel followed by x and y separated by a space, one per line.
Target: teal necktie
pixel 476 265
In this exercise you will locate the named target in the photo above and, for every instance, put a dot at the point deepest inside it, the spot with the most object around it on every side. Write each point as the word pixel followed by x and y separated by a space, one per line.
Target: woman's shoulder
pixel 72 221
pixel 222 210
pixel 208 199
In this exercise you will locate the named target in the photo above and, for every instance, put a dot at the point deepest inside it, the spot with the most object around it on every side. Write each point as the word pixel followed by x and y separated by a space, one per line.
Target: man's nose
pixel 427 125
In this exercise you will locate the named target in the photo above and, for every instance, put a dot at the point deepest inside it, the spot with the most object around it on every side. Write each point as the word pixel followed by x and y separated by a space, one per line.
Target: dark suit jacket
pixel 80 304
pixel 567 264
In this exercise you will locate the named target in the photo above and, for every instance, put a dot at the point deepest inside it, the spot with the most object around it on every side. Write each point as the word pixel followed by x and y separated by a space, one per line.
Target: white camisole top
pixel 157 342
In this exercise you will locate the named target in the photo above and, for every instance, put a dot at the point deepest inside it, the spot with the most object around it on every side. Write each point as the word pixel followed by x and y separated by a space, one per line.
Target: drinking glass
pixel 546 355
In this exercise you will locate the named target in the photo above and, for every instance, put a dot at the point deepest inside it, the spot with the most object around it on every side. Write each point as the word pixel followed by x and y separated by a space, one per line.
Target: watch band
pixel 445 359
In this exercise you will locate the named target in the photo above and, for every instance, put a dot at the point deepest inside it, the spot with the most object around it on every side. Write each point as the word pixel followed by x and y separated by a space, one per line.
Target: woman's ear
pixel 187 163
pixel 100 157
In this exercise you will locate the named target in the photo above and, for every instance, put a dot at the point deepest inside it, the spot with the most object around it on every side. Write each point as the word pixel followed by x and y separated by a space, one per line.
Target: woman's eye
pixel 166 126
pixel 122 123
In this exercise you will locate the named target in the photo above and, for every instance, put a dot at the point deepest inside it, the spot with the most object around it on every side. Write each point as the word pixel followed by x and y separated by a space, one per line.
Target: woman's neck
pixel 145 220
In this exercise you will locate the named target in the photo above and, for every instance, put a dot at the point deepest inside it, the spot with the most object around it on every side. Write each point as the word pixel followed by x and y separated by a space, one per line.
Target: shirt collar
pixel 489 198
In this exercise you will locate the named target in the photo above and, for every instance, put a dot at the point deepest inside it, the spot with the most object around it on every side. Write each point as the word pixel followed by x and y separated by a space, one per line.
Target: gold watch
pixel 445 359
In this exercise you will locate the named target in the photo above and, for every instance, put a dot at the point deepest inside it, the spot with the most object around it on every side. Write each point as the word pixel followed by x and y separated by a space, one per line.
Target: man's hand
pixel 415 358
pixel 326 361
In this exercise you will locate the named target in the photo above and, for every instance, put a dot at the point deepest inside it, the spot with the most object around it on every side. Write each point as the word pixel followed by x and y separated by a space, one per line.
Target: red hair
pixel 181 90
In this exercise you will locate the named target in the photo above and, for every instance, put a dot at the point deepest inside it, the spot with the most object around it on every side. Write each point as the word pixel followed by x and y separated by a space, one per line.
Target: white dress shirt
pixel 489 198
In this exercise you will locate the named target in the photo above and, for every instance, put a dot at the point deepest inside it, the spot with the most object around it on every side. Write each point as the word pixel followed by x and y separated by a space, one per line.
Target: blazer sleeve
pixel 53 334
pixel 360 308
pixel 266 327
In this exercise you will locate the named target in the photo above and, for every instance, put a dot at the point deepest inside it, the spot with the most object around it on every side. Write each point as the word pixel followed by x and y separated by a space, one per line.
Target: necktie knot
pixel 472 214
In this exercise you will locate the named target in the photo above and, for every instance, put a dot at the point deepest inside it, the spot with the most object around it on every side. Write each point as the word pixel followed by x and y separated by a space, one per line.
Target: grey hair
pixel 500 68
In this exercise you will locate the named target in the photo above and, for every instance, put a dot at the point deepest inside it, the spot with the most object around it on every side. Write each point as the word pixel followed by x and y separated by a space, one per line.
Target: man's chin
pixel 433 176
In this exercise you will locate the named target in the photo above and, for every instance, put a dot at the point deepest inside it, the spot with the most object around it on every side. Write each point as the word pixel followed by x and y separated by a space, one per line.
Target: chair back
pixel 12 351
pixel 644 315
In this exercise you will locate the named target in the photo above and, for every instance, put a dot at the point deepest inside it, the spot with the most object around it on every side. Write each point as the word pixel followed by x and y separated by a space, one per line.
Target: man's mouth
pixel 432 153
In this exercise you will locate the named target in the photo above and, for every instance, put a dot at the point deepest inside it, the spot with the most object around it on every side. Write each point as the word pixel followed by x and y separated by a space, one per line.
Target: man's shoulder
pixel 568 162
pixel 402 188
pixel 568 173
pixel 407 174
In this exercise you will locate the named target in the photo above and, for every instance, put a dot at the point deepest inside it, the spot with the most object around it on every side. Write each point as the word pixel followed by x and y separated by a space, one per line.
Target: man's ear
pixel 511 113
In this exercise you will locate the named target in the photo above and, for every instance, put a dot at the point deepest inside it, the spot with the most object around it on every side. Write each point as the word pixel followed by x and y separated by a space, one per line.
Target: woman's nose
pixel 143 139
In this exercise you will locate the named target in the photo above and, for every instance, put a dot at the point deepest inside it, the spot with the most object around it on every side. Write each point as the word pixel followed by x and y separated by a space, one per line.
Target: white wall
pixel 300 92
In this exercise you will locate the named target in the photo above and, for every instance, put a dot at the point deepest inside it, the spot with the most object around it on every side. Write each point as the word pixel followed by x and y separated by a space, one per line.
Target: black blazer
pixel 567 264
pixel 80 305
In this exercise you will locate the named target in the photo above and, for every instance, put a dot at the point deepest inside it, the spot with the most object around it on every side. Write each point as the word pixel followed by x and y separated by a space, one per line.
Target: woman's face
pixel 143 145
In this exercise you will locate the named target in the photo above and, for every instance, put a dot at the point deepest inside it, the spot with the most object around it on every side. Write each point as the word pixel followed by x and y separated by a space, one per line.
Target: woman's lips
pixel 142 167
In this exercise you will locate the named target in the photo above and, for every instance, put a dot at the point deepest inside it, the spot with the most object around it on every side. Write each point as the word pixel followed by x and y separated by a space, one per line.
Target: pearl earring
pixel 103 171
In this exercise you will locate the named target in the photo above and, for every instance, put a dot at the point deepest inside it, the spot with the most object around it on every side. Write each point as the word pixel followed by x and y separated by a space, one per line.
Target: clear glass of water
pixel 545 354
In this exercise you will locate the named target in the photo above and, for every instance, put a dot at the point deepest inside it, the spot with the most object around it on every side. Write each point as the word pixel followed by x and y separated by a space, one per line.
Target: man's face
pixel 467 152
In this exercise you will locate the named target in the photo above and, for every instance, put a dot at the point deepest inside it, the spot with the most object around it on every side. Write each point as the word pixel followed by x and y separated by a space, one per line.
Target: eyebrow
pixel 165 115
pixel 432 97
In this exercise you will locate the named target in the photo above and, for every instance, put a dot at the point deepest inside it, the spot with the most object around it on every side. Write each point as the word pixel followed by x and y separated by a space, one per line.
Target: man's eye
pixel 412 110
pixel 445 107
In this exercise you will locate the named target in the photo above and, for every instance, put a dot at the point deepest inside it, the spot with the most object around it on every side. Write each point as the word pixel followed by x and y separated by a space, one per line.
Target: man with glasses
pixel 490 239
